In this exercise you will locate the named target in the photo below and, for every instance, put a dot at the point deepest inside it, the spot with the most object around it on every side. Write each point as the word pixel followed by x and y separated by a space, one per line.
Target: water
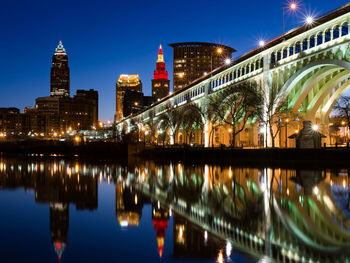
pixel 76 211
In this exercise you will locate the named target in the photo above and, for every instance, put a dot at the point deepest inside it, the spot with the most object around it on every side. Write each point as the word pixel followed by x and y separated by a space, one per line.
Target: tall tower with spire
pixel 60 76
pixel 160 81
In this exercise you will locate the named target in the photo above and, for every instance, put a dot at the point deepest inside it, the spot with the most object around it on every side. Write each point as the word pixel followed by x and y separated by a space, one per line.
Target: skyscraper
pixel 191 60
pixel 125 82
pixel 160 82
pixel 60 73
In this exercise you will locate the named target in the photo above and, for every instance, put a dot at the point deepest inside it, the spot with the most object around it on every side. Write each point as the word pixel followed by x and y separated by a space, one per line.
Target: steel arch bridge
pixel 309 66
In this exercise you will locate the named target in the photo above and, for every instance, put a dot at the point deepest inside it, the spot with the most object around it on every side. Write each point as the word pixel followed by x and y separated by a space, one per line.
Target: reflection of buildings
pixel 160 217
pixel 59 223
pixel 55 186
pixel 128 205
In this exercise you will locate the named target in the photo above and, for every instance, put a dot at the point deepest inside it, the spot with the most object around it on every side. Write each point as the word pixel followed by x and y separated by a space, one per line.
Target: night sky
pixel 104 39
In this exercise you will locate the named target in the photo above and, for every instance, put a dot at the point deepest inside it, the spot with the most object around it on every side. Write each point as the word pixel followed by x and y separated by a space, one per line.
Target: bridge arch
pixel 309 68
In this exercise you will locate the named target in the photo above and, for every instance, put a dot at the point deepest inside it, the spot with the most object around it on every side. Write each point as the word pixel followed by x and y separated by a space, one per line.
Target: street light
pixel 292 6
pixel 218 51
pixel 261 43
pixel 286 139
pixel 227 61
pixel 309 20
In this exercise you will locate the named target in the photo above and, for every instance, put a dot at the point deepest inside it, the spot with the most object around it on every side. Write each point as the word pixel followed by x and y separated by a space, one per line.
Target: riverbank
pixel 257 157
pixel 316 158
pixel 93 150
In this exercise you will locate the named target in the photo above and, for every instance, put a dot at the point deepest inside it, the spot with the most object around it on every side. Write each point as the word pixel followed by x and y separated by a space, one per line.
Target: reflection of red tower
pixel 160 226
pixel 160 82
pixel 160 218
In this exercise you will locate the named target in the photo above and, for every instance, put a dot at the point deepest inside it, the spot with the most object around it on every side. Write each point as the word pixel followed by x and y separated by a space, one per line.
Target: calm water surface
pixel 76 211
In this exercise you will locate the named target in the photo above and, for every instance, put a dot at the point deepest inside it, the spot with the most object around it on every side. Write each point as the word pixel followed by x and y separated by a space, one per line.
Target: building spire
pixel 60 49
pixel 160 54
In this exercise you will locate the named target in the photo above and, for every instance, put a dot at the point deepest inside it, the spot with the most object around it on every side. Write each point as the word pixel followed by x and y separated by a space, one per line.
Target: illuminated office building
pixel 125 82
pixel 192 60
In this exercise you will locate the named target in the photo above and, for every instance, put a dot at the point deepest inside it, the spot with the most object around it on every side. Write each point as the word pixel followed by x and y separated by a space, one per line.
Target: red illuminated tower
pixel 160 81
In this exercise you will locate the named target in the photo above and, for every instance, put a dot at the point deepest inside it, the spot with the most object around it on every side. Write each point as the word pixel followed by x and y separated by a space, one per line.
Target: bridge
pixel 272 214
pixel 307 67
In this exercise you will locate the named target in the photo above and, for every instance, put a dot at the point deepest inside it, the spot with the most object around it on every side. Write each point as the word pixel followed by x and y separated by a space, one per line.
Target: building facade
pixel 192 60
pixel 125 82
pixel 160 81
pixel 60 114
pixel 57 113
pixel 60 75
pixel 135 101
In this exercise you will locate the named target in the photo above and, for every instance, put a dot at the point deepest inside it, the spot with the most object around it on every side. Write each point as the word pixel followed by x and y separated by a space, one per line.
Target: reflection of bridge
pixel 261 212
pixel 309 65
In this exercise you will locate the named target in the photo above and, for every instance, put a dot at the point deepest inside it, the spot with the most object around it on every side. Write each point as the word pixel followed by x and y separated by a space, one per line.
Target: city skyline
pixel 102 46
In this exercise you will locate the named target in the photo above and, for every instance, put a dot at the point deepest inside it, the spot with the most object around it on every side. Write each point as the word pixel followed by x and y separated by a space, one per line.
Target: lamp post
pixel 292 6
pixel 287 120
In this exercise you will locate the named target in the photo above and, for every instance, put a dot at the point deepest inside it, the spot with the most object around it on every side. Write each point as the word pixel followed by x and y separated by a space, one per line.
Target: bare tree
pixel 214 120
pixel 192 120
pixel 172 120
pixel 236 105
pixel 151 125
pixel 273 107
pixel 342 110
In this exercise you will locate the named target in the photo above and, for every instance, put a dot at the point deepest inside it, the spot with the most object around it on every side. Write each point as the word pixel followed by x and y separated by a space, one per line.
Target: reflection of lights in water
pixel 344 184
pixel 315 190
pixel 170 213
pixel 331 182
pixel 228 248
pixel 180 234
pixel 220 258
pixel 287 191
pixel 158 205
pixel 230 173
pixel 124 223
pixel 76 168
pixel 264 260
pixel 136 200
pixel 205 236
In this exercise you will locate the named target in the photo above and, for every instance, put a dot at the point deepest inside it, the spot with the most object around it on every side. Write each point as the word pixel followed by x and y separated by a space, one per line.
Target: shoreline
pixel 121 151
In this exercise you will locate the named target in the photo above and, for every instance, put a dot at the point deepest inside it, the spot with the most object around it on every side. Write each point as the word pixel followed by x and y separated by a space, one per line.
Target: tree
pixel 214 121
pixel 234 106
pixel 172 120
pixel 192 120
pixel 273 107
pixel 151 125
pixel 342 109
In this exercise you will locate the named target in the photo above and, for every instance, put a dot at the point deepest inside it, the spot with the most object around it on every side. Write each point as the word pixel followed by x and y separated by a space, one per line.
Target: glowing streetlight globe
pixel 261 43
pixel 309 20
pixel 315 127
pixel 293 6
pixel 227 61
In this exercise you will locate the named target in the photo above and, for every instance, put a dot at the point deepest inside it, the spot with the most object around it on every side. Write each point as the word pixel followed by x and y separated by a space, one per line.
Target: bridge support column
pixel 206 134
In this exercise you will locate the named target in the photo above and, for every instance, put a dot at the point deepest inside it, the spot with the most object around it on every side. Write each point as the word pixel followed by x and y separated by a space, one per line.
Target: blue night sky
pixel 104 39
